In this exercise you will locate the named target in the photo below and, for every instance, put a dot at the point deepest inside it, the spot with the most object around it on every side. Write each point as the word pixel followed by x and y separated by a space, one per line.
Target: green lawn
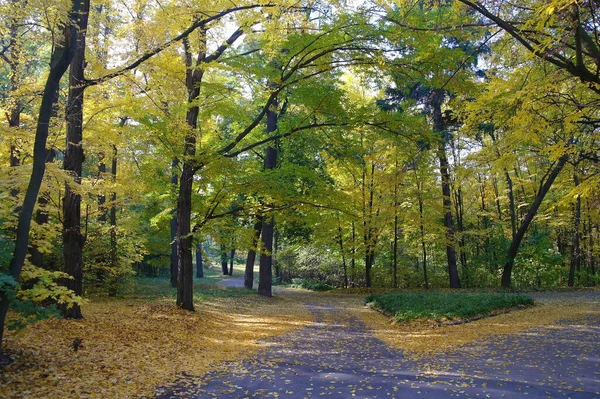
pixel 444 306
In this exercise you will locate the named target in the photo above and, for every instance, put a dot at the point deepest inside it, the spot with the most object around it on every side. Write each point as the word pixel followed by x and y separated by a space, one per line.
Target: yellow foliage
pixel 129 347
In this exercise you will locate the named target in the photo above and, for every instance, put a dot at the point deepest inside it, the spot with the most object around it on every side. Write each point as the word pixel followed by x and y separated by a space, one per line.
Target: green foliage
pixel 442 306
pixel 312 285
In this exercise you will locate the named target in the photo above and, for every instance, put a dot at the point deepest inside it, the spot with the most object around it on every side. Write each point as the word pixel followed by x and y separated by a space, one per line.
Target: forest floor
pixel 300 344
pixel 349 351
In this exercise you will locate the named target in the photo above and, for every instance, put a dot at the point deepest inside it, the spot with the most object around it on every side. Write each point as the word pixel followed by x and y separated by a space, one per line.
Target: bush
pixel 312 285
pixel 439 306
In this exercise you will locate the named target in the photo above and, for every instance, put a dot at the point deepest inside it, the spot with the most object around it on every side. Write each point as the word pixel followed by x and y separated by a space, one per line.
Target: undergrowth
pixel 444 306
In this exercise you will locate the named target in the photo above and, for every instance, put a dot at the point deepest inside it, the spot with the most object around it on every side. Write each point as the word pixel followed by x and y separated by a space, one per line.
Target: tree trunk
pixel 185 269
pixel 249 271
pixel 341 242
pixel 199 263
pixel 516 241
pixel 185 272
pixel 224 270
pixel 231 259
pixel 575 263
pixel 41 217
pixel 174 269
pixel 353 260
pixel 73 239
pixel 265 274
pixel 60 60
pixel 114 254
pixel 438 126
pixel 422 229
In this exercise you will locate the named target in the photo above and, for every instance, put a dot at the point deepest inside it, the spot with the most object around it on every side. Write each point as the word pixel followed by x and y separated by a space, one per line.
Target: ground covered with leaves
pixel 131 345
pixel 339 356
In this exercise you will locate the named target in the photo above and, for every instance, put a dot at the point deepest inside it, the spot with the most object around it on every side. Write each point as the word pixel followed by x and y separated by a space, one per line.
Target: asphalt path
pixel 338 356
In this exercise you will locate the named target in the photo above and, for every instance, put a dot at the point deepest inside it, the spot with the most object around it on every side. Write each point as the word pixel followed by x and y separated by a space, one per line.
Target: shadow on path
pixel 337 356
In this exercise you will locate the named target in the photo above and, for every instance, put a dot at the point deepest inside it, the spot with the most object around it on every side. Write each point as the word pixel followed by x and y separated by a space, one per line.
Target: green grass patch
pixel 444 306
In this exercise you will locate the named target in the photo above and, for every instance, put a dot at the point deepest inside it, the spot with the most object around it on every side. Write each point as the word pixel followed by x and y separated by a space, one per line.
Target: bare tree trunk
pixel 265 274
pixel 224 270
pixel 438 126
pixel 231 259
pixel 114 253
pixel 249 272
pixel 174 269
pixel 73 239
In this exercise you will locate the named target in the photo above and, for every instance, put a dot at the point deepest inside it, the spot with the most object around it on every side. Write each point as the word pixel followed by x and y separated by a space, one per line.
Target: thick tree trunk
pixel 185 268
pixel 185 272
pixel 516 242
pixel 60 60
pixel 438 127
pixel 41 218
pixel 199 261
pixel 174 269
pixel 73 239
pixel 251 258
pixel 224 270
pixel 265 274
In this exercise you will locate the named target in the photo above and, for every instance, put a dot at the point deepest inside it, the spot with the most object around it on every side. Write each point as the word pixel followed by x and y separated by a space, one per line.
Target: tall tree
pixel 60 60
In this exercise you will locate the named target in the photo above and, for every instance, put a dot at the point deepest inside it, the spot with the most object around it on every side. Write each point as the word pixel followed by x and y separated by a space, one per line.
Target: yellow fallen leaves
pixel 129 347
pixel 420 338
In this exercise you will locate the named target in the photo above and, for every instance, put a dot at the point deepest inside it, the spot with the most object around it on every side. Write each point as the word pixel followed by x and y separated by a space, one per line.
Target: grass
pixel 444 306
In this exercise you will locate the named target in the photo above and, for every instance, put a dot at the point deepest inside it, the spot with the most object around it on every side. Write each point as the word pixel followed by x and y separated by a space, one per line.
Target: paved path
pixel 338 357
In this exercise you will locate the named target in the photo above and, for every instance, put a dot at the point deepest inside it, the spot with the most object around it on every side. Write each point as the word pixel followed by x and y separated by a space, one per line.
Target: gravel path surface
pixel 337 356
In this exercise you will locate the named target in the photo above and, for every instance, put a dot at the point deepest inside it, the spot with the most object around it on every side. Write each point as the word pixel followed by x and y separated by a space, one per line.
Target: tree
pixel 60 60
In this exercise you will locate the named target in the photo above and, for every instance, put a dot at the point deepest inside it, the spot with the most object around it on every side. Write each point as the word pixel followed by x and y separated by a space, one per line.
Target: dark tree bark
pixel 101 197
pixel 516 241
pixel 438 126
pixel 199 261
pixel 185 272
pixel 114 249
pixel 224 269
pixel 575 263
pixel 231 258
pixel 59 62
pixel 73 239
pixel 265 273
pixel 251 258
pixel 41 218
pixel 174 182
pixel 193 81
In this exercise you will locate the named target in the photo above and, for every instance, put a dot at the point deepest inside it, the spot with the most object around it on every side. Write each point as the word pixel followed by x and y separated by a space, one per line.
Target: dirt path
pixel 338 356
